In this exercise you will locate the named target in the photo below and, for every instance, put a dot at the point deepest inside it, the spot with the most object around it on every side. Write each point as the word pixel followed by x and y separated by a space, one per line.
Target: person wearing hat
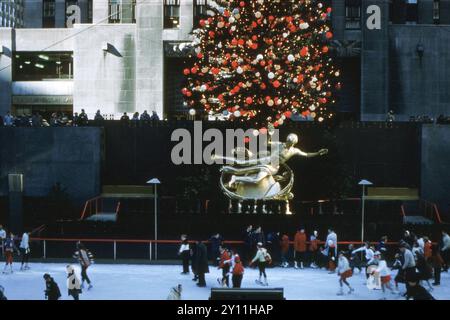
pixel 384 272
pixel 416 291
pixel 263 258
pixel 344 272
pixel 51 288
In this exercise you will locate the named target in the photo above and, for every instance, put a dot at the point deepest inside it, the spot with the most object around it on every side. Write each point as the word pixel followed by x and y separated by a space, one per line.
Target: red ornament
pixel 211 34
pixel 325 49
pixel 242 4
pixel 194 70
pixel 200 55
pixel 246 140
pixel 329 35
pixel 304 51
pixel 186 72
pixel 276 84
pixel 249 100
pixel 329 10
pixel 288 114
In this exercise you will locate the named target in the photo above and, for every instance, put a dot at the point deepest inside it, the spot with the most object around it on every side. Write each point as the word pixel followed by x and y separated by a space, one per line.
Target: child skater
pixel 238 272
pixel 9 247
pixel 224 256
pixel 344 272
pixel 384 273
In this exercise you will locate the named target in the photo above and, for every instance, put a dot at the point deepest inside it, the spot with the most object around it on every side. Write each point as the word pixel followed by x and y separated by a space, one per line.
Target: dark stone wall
pixel 45 156
pixel 435 184
pixel 419 86
pixel 375 64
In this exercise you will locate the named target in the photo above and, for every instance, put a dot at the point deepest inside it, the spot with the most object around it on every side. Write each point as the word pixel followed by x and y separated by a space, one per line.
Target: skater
pixel 51 288
pixel 355 262
pixel 427 248
pixel 416 291
pixel 383 272
pixel 25 250
pixel 194 261
pixel 425 270
pixel 215 242
pixel 185 253
pixel 397 265
pixel 237 271
pixel 284 249
pixel 85 258
pixel 263 258
pixel 201 263
pixel 437 263
pixel 445 250
pixel 344 272
pixel 175 293
pixel 314 250
pixel 409 265
pixel 73 283
pixel 368 255
pixel 248 243
pixel 10 247
pixel 381 246
pixel 2 239
pixel 2 294
pixel 300 248
pixel 331 250
pixel 224 256
pixel 258 236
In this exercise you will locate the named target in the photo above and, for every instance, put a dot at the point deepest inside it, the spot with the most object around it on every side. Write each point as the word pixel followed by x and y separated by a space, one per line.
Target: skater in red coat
pixel 224 257
pixel 300 248
pixel 284 249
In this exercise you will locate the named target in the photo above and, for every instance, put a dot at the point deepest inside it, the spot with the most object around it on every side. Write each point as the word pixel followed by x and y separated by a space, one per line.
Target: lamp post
pixel 155 182
pixel 363 183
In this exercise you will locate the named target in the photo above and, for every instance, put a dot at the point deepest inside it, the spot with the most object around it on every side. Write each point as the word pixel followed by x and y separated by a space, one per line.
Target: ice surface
pixel 147 282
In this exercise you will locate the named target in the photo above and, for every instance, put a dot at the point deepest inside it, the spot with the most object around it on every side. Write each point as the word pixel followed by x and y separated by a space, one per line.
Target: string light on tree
pixel 263 61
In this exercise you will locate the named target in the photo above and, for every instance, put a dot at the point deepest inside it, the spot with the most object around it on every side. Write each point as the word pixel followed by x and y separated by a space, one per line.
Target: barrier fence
pixel 131 249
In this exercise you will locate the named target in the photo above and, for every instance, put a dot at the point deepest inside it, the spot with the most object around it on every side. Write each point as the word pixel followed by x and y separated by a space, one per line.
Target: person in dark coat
pixel 417 292
pixel 215 242
pixel 425 270
pixel 257 237
pixel 51 288
pixel 194 261
pixel 2 294
pixel 248 244
pixel 436 262
pixel 201 263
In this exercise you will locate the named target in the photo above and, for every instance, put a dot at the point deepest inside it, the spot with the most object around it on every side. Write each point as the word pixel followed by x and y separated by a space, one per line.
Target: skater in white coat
pixel 262 257
pixel 344 272
pixel 25 250
pixel 384 272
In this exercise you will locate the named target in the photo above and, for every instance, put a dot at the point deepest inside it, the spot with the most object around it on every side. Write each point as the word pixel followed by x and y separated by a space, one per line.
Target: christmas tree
pixel 261 61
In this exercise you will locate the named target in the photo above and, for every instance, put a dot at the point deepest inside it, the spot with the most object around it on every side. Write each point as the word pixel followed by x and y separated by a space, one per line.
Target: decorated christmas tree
pixel 261 61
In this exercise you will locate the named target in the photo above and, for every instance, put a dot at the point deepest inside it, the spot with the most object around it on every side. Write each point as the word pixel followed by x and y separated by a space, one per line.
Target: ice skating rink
pixel 148 282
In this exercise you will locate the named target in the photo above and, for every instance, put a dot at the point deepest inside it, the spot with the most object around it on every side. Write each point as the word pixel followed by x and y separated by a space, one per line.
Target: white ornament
pixel 271 75
pixel 239 70
pixel 237 113
pixel 291 57
pixel 192 112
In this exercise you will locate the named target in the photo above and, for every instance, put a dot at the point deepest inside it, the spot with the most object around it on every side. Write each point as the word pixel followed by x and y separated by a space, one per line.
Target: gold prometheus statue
pixel 267 177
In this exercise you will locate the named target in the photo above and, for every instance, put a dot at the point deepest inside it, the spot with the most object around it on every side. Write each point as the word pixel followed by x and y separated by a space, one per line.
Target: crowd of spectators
pixel 61 119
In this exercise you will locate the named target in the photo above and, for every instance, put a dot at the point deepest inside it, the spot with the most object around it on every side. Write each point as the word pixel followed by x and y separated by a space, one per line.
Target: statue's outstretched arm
pixel 321 152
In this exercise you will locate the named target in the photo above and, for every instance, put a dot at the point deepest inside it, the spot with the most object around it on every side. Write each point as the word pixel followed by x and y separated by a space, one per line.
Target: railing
pixel 129 249
pixel 88 209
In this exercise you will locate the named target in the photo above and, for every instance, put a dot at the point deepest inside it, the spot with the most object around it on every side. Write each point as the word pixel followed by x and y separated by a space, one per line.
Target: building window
pixel 200 8
pixel 353 14
pixel 38 66
pixel 120 12
pixel 48 14
pixel 90 11
pixel 412 14
pixel 436 11
pixel 171 14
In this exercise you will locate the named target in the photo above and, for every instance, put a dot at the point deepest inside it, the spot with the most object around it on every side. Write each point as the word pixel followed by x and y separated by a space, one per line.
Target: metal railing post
pixel 45 249
pixel 115 250
pixel 150 249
